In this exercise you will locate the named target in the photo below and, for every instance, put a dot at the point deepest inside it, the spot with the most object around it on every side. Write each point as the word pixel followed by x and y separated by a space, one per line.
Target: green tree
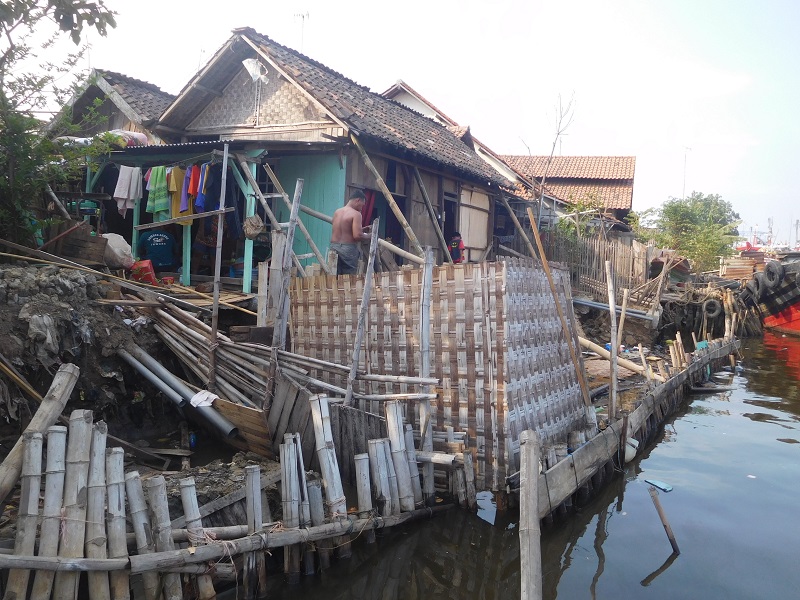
pixel 701 227
pixel 30 159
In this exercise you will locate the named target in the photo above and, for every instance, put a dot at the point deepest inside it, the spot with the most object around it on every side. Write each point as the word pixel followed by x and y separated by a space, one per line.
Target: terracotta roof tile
pixel 581 167
pixel 145 98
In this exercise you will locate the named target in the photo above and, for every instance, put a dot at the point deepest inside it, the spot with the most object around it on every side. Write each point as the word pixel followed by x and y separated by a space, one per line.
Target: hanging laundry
pixel 128 189
pixel 200 200
pixel 158 197
pixel 175 178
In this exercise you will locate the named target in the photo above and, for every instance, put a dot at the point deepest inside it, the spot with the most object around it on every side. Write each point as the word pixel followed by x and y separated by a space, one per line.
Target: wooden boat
pixel 776 295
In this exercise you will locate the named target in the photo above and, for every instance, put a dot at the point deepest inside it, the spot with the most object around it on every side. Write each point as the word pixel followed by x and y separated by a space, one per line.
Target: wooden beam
pixel 205 89
pixel 187 218
pixel 412 237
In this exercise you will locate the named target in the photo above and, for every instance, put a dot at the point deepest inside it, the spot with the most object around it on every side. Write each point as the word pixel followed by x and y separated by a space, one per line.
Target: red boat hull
pixel 786 321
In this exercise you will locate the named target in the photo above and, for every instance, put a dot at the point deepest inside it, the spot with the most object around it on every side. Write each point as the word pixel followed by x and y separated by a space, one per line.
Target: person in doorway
pixel 348 233
pixel 456 248
pixel 159 247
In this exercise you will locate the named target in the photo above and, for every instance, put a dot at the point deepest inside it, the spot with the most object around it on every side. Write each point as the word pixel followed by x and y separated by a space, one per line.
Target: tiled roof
pixel 374 116
pixel 575 167
pixel 613 194
pixel 145 98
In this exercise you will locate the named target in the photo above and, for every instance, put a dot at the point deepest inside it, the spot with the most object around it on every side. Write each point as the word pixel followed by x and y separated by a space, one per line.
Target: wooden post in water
pixel 162 533
pixel 140 521
pixel 25 541
pixel 612 302
pixel 79 443
pixel 317 510
pixel 664 522
pixel 194 528
pixel 364 492
pixel 51 513
pixel 96 540
pixel 529 528
pixel 119 581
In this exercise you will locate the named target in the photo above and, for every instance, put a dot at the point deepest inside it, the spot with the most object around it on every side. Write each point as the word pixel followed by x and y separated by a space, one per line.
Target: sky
pixel 702 92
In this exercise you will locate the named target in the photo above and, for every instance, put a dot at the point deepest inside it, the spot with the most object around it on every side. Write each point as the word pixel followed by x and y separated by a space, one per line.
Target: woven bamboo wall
pixel 497 346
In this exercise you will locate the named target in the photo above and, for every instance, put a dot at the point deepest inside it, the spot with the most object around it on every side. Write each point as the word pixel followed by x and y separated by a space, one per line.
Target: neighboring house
pixel 300 115
pixel 126 103
pixel 605 180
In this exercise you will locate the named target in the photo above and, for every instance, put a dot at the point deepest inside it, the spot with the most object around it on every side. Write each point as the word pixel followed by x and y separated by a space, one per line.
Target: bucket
pixel 631 446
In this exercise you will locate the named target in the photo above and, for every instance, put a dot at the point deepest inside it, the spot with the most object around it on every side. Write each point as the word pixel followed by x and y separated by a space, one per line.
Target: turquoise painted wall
pixel 323 190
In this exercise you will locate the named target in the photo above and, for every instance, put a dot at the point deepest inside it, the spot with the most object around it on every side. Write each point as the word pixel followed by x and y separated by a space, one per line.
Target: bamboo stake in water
pixel 51 514
pixel 612 409
pixel 28 511
pixel 363 491
pixel 394 425
pixel 194 527
pixel 529 526
pixel 664 522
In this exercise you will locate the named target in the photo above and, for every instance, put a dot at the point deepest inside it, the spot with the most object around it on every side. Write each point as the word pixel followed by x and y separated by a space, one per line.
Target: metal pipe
pixel 208 413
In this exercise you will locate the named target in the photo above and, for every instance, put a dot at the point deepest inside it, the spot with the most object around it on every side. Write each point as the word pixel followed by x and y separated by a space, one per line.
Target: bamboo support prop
pixel 162 532
pixel 51 512
pixel 79 441
pixel 194 528
pixel 625 295
pixel 432 215
pixel 329 467
pixel 255 575
pixel 317 509
pixel 119 582
pixel 412 237
pixel 369 276
pixel 413 467
pixel 49 410
pixel 17 585
pixel 425 413
pixel 290 496
pixel 572 349
pixel 212 346
pixel 394 487
pixel 613 382
pixel 380 477
pixel 96 540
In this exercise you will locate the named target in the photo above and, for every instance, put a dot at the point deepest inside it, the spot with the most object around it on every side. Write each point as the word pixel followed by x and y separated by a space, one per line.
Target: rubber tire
pixel 713 308
pixel 756 286
pixel 773 274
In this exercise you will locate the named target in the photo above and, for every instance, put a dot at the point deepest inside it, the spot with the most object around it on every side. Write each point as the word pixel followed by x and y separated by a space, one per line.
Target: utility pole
pixel 302 17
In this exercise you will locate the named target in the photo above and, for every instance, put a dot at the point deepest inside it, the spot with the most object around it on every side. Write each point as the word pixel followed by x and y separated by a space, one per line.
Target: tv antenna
pixel 302 16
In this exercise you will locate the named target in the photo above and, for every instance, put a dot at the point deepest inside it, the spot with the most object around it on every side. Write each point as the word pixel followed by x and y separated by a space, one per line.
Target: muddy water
pixel 733 460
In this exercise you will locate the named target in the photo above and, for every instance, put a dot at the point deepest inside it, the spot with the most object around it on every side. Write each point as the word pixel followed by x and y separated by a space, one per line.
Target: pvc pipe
pixel 208 413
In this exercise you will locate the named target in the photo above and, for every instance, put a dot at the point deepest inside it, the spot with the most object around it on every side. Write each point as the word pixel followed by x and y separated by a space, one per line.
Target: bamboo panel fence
pixel 497 348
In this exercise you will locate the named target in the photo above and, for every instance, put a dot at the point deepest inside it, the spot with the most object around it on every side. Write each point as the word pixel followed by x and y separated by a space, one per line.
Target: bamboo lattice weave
pixel 497 348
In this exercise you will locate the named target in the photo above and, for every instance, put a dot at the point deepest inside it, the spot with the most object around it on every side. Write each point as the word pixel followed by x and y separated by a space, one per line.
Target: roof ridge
pixel 146 84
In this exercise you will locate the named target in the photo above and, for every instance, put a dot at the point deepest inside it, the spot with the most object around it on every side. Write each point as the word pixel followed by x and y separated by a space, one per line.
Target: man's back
pixel 343 225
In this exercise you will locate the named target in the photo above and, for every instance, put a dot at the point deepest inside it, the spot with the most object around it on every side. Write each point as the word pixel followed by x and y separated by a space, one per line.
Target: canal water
pixel 733 461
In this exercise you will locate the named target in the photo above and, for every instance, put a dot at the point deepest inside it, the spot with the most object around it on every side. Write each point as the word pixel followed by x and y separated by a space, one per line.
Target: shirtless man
pixel 348 233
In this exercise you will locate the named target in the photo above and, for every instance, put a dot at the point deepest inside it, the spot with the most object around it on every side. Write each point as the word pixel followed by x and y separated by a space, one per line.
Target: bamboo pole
pixel 75 482
pixel 51 512
pixel 329 467
pixel 363 491
pixel 413 467
pixel 587 400
pixel 625 295
pixel 47 413
pixel 369 276
pixel 394 426
pixel 197 537
pixel 612 303
pixel 291 508
pixel 162 532
pixel 380 477
pixel 412 238
pixel 469 475
pixel 96 545
pixel 662 515
pixel 425 412
pixel 119 582
pixel 623 362
pixel 529 526
pixel 394 488
pixel 285 197
pixel 17 585
pixel 140 521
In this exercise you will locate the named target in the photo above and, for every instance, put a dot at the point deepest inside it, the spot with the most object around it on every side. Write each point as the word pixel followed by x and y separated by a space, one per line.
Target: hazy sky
pixel 702 92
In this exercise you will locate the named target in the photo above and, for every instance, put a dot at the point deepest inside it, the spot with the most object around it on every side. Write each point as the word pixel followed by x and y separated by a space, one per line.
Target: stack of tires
pixel 759 283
